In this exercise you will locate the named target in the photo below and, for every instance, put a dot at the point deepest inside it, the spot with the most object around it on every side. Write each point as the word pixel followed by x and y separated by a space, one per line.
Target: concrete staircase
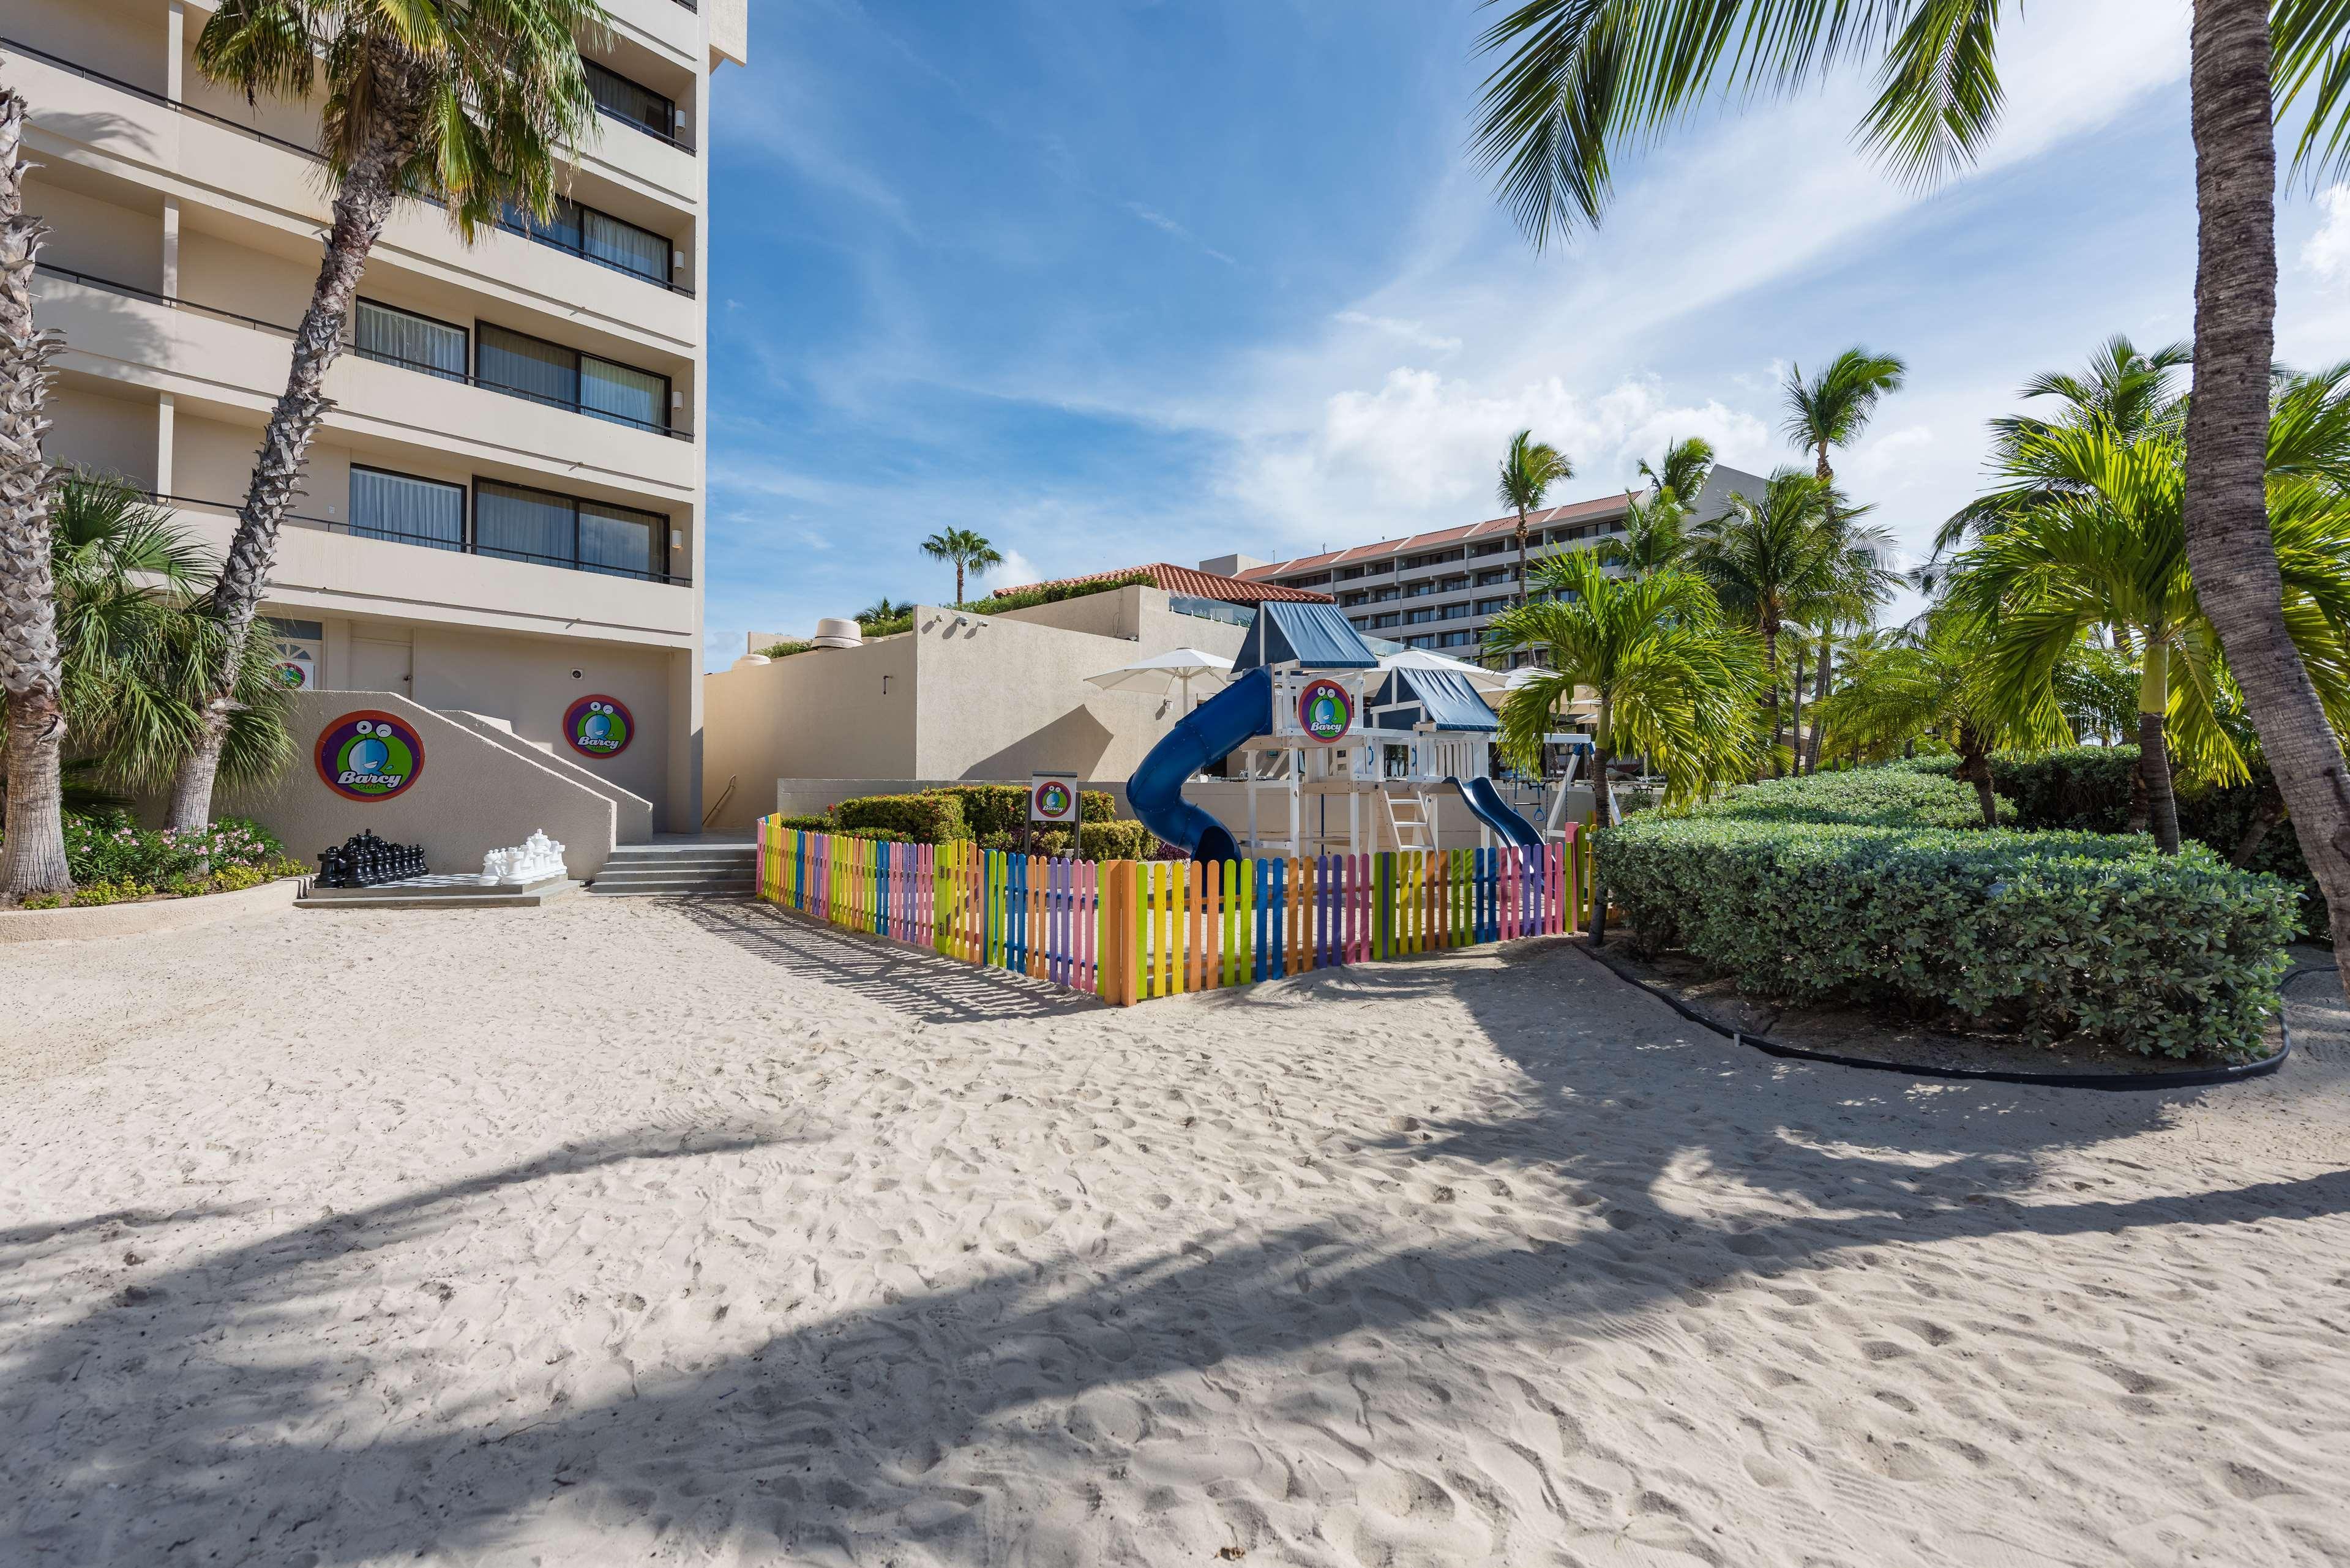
pixel 681 867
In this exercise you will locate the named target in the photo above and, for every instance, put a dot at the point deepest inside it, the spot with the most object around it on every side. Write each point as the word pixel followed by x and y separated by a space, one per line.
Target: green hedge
pixel 1019 598
pixel 805 824
pixel 2056 936
pixel 1001 808
pixel 1862 798
pixel 933 817
pixel 2088 788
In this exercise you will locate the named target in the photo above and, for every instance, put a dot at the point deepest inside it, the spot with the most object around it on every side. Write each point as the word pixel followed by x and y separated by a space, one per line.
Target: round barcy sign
pixel 599 726
pixel 1054 802
pixel 1326 711
pixel 370 756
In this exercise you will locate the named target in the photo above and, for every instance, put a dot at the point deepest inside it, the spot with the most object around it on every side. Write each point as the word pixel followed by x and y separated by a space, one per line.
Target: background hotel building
pixel 505 510
pixel 1439 590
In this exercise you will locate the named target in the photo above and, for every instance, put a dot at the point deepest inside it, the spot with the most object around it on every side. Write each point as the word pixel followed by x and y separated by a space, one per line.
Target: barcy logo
pixel 368 756
pixel 599 726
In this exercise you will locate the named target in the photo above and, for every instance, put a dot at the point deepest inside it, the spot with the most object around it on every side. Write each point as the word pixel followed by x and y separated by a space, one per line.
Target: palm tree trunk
pixel 1601 753
pixel 1770 663
pixel 363 201
pixel 32 677
pixel 1819 695
pixel 1826 475
pixel 1795 718
pixel 2153 752
pixel 2266 812
pixel 1522 558
pixel 2227 543
pixel 958 585
pixel 1974 766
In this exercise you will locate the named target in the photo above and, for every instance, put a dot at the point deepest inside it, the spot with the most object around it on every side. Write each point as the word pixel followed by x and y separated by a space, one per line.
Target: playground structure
pixel 1339 750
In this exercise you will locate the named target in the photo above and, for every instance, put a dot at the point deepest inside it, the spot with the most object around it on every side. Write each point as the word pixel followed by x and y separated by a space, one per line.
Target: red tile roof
pixel 1575 512
pixel 1199 586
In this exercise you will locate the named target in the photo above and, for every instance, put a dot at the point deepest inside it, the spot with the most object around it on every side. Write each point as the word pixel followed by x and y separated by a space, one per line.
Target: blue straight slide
pixel 1495 813
pixel 1209 732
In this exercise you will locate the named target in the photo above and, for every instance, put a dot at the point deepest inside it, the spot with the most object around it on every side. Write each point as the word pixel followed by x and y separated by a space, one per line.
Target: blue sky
pixel 1115 281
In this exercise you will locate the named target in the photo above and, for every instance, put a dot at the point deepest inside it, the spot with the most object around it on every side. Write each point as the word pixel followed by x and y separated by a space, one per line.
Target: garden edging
pixel 148 917
pixel 2186 1079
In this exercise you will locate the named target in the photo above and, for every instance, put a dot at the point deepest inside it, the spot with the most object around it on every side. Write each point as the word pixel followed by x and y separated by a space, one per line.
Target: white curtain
pixel 412 511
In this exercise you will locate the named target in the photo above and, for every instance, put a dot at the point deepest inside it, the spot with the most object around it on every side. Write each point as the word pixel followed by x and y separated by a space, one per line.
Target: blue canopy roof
pixel 1444 698
pixel 1314 637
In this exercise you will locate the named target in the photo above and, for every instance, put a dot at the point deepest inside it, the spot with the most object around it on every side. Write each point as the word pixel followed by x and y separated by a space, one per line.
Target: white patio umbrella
pixel 1160 673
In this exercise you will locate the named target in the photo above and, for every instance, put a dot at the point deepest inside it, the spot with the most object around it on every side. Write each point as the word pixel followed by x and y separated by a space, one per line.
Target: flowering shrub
pixel 110 847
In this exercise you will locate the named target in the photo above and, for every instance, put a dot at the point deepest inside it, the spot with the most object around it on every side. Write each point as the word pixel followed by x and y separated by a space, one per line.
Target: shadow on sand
pixel 793 1446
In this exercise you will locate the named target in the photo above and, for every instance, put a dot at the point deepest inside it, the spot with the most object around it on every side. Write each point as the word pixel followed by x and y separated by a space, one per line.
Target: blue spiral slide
pixel 1486 804
pixel 1209 732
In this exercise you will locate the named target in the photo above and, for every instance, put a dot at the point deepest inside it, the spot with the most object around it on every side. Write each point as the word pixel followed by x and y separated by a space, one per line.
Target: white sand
pixel 624 1232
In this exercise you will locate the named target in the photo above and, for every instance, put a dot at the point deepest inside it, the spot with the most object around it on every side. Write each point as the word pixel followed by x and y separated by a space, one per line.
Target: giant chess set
pixel 368 870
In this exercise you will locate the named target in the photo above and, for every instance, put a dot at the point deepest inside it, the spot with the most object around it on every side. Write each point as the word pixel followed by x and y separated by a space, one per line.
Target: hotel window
pixel 516 522
pixel 550 373
pixel 598 237
pixel 638 105
pixel 1456 639
pixel 395 337
pixel 413 511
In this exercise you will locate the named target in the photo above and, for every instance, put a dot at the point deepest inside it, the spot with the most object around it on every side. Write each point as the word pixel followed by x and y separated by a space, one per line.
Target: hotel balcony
pixel 256 166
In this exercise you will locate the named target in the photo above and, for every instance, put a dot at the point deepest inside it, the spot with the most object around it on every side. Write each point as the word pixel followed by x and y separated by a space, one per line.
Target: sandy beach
pixel 626 1232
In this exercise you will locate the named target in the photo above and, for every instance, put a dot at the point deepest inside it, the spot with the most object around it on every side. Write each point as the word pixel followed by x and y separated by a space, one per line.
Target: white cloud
pixel 2327 253
pixel 1420 451
pixel 1411 332
pixel 1015 571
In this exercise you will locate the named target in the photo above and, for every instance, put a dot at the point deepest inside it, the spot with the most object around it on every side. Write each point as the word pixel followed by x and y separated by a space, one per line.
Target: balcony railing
pixel 468 546
pixel 17 47
pixel 133 291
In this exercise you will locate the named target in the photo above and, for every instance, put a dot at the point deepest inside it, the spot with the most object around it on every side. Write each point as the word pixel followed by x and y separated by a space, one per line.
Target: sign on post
pixel 1053 799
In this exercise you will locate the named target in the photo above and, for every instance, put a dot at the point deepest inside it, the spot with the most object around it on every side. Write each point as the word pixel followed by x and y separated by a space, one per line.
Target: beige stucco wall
pixel 970 698
pixel 632 813
pixel 842 712
pixel 470 797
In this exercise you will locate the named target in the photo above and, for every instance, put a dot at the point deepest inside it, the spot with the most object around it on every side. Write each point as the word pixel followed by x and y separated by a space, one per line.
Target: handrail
pixel 463 546
pixel 633 123
pixel 169 302
pixel 19 46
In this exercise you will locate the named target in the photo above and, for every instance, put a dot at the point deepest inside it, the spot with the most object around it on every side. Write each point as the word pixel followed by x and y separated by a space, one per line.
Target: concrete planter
pixel 144 918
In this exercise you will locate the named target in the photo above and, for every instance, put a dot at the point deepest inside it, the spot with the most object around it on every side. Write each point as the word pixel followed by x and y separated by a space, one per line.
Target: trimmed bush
pixel 2069 936
pixel 933 817
pixel 1862 798
pixel 805 824
pixel 2088 788
pixel 1001 808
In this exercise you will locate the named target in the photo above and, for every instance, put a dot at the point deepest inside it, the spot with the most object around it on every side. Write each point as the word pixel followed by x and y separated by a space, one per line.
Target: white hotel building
pixel 505 507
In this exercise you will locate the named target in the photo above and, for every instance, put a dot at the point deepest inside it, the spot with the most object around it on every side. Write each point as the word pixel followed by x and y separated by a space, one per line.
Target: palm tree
pixel 33 856
pixel 2129 391
pixel 1830 411
pixel 1682 472
pixel 1833 407
pixel 882 609
pixel 1672 682
pixel 966 549
pixel 1933 679
pixel 467 104
pixel 1793 554
pixel 2110 550
pixel 1654 536
pixel 136 648
pixel 1528 471
pixel 1582 75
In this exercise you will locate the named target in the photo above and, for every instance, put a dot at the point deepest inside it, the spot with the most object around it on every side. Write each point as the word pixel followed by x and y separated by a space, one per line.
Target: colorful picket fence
pixel 1127 931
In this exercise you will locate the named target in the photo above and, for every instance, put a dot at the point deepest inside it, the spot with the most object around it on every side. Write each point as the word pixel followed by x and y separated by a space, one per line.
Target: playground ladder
pixel 1409 820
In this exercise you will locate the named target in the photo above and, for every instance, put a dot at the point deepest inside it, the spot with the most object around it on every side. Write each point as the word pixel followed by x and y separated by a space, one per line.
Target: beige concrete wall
pixel 471 796
pixel 835 712
pixel 89 429
pixel 632 815
pixel 1003 698
pixel 972 697
pixel 528 682
pixel 90 234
